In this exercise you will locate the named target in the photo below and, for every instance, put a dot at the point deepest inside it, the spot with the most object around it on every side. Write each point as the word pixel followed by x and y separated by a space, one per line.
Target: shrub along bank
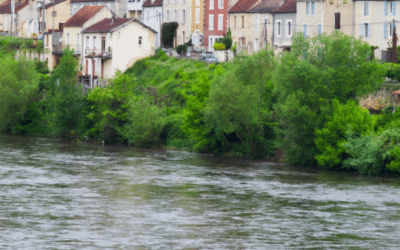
pixel 304 103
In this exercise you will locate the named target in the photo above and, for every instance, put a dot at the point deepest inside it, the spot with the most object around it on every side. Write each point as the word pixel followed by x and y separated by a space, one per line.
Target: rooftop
pixel 109 25
pixel 82 16
pixel 152 3
pixel 243 6
pixel 5 8
pixel 55 3
pixel 287 7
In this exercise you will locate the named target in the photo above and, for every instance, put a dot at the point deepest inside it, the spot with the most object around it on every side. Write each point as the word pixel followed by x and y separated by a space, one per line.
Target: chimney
pixel 113 19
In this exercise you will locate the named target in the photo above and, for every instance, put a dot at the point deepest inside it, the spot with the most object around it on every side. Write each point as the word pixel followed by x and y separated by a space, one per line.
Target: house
pixel 374 22
pixel 55 18
pixel 25 21
pixel 153 16
pixel 285 25
pixel 315 17
pixel 179 11
pixel 252 23
pixel 197 23
pixel 114 44
pixel 134 9
pixel 71 33
pixel 119 7
pixel 215 21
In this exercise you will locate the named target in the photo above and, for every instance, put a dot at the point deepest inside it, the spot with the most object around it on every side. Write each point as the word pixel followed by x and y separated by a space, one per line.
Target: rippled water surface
pixel 80 196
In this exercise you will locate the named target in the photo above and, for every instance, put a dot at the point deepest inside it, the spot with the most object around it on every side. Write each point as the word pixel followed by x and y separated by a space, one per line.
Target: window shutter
pixel 313 8
pixel 361 30
pixel 305 30
pixel 394 8
pixel 385 30
pixel 386 8
pixel 308 8
pixel 369 30
pixel 367 3
pixel 319 28
pixel 337 20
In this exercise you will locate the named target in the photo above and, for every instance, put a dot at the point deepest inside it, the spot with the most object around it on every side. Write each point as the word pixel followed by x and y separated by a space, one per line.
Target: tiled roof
pixel 150 3
pixel 93 1
pixel 288 7
pixel 243 6
pixel 108 25
pixel 55 3
pixel 5 8
pixel 266 6
pixel 82 16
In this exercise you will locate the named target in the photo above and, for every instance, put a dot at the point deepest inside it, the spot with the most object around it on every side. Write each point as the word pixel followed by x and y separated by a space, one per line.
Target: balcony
pixel 58 49
pixel 100 53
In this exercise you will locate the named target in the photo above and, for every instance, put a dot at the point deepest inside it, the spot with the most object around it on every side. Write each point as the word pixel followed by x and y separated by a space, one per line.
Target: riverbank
pixel 302 108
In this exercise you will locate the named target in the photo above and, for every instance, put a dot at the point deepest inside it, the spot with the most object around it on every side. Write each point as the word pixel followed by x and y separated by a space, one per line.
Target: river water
pixel 55 195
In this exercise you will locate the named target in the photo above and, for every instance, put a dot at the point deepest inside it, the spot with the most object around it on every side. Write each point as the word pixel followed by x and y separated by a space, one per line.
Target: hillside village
pixel 110 35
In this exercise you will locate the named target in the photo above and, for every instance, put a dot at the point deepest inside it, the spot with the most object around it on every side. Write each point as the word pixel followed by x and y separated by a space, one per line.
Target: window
pixel 175 15
pixel 310 8
pixel 140 40
pixel 365 30
pixel 279 28
pixel 313 8
pixel 220 21
pixel 94 42
pixel 211 22
pixel 184 15
pixel 305 30
pixel 77 42
pixel 337 20
pixel 385 30
pixel 47 40
pixel 242 22
pixel 289 28
pixel 211 4
pixel 366 9
pixel 67 39
pixel 197 15
pixel 87 42
pixel 221 4
pixel 198 3
pixel 319 29
pixel 391 6
pixel 390 30
pixel 256 22
pixel 183 36
pixel 234 21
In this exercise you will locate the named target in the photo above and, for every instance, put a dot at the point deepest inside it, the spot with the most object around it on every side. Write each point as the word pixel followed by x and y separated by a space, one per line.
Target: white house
pixel 114 44
pixel 152 17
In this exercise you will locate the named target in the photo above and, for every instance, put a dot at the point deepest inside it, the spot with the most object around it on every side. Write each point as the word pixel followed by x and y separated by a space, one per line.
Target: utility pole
pixel 12 16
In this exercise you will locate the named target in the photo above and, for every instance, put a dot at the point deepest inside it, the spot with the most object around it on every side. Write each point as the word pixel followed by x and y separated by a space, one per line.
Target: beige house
pixel 114 44
pixel 197 23
pixel 374 22
pixel 314 17
pixel 252 24
pixel 179 11
pixel 25 20
pixel 61 14
pixel 71 33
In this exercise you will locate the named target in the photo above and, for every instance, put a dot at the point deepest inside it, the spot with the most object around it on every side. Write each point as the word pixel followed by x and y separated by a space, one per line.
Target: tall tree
pixel 394 58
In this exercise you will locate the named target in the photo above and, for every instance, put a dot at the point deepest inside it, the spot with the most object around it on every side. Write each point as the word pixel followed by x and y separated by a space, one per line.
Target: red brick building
pixel 215 21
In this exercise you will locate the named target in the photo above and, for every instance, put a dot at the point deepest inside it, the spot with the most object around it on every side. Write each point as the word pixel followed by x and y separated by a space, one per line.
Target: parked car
pixel 208 58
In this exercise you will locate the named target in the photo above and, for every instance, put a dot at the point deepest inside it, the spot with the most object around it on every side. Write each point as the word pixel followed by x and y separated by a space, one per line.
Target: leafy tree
pixel 330 139
pixel 18 87
pixel 65 107
pixel 316 71
pixel 168 31
pixel 240 104
pixel 145 124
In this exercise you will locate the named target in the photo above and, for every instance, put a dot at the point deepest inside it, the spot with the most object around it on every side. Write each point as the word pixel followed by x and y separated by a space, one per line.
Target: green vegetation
pixel 303 105
pixel 168 31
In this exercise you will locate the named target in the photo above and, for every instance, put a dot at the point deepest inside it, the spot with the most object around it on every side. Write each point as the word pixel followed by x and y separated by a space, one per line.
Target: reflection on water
pixel 78 196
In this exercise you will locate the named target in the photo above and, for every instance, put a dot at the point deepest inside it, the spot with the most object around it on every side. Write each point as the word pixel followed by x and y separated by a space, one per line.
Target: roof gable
pixel 151 3
pixel 82 16
pixel 243 6
pixel 289 6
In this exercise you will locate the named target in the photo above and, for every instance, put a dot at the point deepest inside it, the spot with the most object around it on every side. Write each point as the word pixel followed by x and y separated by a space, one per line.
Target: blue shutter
pixel 307 8
pixel 305 30
pixel 313 8
pixel 319 28
pixel 386 8
pixel 385 31
pixel 394 8
pixel 361 30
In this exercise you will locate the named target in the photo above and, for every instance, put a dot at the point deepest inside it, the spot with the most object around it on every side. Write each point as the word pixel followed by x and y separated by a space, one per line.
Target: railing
pixel 98 53
pixel 58 49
